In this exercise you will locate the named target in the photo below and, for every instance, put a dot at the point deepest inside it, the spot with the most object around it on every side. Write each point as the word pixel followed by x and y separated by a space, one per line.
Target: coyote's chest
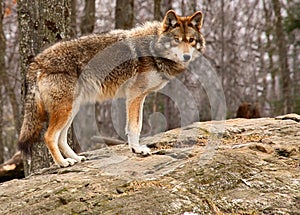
pixel 143 84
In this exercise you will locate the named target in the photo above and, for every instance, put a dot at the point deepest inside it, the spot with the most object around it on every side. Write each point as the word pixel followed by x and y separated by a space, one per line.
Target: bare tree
pixel 124 19
pixel 73 32
pixel 2 70
pixel 88 22
pixel 283 59
pixel 1 127
pixel 157 9
pixel 166 5
pixel 124 14
pixel 9 88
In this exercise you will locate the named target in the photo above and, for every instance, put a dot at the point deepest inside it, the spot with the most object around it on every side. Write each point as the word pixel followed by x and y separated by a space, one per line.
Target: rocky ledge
pixel 239 166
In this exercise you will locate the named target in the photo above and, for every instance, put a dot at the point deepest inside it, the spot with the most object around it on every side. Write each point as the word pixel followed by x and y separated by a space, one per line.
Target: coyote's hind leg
pixel 58 120
pixel 62 141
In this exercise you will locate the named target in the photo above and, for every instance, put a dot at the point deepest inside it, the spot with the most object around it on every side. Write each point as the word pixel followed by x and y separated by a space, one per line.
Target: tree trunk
pixel 166 5
pixel 2 70
pixel 12 97
pixel 124 14
pixel 5 77
pixel 188 7
pixel 73 32
pixel 124 19
pixel 268 26
pixel 40 23
pixel 88 22
pixel 157 9
pixel 222 41
pixel 283 59
pixel 1 125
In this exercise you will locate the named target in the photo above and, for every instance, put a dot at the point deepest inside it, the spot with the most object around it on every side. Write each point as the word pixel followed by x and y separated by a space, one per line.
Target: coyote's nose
pixel 186 57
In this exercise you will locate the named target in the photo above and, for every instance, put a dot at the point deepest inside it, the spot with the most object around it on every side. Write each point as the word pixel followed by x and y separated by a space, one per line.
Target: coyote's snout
pixel 131 64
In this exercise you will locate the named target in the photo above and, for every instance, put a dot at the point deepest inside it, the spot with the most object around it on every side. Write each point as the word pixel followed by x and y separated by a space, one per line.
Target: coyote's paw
pixel 80 158
pixel 67 162
pixel 143 150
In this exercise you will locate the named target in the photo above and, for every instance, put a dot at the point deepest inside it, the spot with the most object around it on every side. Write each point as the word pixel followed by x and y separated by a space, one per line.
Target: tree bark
pixel 124 14
pixel 40 23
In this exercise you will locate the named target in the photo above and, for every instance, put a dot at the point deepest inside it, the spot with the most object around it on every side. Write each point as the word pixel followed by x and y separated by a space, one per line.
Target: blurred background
pixel 253 45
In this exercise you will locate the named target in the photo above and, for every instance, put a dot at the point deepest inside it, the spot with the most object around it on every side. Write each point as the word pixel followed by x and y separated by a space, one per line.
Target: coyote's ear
pixel 196 20
pixel 170 20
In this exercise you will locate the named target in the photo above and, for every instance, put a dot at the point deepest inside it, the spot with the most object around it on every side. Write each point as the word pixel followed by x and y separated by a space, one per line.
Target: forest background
pixel 253 45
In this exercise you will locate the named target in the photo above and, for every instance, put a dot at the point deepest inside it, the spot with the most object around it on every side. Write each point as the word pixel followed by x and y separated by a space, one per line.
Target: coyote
pixel 121 63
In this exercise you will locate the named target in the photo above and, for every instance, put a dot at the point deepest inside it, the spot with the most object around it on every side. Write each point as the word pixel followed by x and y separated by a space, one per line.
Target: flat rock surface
pixel 239 166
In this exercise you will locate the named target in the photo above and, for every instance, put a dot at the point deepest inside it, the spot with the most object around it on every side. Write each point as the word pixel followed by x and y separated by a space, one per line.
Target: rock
pixel 261 147
pixel 291 116
pixel 253 168
pixel 13 168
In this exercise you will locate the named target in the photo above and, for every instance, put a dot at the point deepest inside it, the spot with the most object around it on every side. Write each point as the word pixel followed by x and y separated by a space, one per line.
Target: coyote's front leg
pixel 134 110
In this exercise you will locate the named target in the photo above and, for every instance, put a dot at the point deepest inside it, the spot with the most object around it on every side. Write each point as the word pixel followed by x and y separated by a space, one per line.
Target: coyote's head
pixel 180 37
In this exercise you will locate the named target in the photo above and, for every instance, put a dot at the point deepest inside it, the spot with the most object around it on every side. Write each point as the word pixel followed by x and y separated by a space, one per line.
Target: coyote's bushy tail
pixel 34 116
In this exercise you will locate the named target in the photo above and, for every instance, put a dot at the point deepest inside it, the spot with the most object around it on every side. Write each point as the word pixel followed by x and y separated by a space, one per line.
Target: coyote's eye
pixel 176 39
pixel 191 40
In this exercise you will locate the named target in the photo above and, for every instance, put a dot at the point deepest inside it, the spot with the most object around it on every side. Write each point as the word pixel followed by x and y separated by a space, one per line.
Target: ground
pixel 239 166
